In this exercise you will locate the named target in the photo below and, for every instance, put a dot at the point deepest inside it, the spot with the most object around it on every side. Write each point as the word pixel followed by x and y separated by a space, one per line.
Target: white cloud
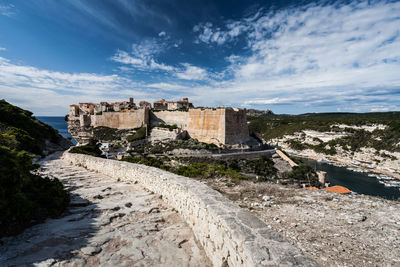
pixel 2 48
pixel 163 86
pixel 7 10
pixel 162 34
pixel 142 56
pixel 191 72
pixel 50 93
pixel 379 109
pixel 208 34
pixel 333 57
pixel 322 55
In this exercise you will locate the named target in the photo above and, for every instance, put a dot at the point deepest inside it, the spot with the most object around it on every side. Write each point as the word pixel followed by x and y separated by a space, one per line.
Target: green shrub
pixel 26 198
pixel 303 173
pixel 148 161
pixel 91 149
pixel 206 170
pixel 166 126
pixel 139 135
pixel 108 134
pixel 20 130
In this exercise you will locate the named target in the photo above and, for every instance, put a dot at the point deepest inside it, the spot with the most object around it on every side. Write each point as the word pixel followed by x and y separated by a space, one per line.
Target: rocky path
pixel 108 223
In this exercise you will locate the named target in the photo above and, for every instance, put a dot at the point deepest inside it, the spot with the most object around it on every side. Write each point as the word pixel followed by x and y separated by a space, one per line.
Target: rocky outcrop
pixel 229 235
pixel 163 134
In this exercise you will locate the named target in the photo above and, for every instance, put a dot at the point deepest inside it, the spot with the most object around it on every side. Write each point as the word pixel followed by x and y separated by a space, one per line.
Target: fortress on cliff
pixel 219 126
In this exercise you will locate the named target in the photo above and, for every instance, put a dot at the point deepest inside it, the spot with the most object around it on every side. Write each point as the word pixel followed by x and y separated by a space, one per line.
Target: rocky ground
pixel 333 229
pixel 108 223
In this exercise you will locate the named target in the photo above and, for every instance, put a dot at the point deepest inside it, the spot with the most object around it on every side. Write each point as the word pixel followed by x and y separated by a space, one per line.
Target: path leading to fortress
pixel 108 223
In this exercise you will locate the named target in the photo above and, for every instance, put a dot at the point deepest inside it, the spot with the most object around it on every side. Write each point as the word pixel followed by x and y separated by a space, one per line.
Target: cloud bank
pixel 339 54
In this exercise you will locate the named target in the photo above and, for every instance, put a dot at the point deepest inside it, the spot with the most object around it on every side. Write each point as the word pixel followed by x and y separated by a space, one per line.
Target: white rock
pixel 90 250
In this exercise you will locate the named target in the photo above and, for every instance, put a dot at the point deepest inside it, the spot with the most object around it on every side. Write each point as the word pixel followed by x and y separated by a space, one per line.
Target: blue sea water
pixel 355 181
pixel 59 124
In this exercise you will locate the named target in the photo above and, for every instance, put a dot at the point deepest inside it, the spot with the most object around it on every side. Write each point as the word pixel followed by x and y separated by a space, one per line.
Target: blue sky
pixel 287 56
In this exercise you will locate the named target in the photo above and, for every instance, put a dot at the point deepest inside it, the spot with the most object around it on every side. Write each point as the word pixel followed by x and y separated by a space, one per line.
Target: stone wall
pixel 236 130
pixel 121 120
pixel 207 125
pixel 217 126
pixel 230 235
pixel 180 118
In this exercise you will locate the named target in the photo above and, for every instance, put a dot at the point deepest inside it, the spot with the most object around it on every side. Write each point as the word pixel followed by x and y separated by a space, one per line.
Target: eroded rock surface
pixel 108 223
pixel 332 229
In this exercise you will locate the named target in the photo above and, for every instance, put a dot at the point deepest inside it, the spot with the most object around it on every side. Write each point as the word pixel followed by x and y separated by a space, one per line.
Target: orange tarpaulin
pixel 338 189
pixel 312 187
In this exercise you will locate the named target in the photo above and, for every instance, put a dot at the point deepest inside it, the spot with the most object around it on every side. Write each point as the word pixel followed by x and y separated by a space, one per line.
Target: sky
pixel 287 56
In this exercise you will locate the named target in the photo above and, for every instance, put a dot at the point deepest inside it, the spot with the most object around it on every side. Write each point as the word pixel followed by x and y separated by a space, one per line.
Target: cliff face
pixel 81 133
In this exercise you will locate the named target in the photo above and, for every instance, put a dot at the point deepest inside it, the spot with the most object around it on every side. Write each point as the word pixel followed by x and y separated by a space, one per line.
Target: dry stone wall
pixel 229 235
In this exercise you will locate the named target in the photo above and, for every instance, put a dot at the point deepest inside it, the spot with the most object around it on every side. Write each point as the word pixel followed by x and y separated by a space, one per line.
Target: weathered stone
pixel 90 250
pixel 208 213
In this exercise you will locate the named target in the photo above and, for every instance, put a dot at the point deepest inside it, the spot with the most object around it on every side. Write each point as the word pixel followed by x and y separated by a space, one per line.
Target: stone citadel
pixel 219 126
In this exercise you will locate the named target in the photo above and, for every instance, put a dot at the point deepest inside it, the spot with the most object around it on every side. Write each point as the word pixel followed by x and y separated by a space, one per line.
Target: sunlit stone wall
pixel 230 235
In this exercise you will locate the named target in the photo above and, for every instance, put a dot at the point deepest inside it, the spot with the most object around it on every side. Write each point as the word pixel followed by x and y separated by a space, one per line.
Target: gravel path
pixel 108 223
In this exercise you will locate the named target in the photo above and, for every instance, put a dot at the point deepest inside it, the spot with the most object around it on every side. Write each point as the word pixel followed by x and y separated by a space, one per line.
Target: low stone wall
pixel 230 236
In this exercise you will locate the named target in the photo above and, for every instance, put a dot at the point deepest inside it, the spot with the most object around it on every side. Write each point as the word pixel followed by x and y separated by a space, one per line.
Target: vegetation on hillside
pixel 167 126
pixel 19 130
pixel 91 149
pixel 104 133
pixel 25 198
pixel 303 173
pixel 165 147
pixel 139 135
pixel 277 126
pixel 190 169
pixel 205 167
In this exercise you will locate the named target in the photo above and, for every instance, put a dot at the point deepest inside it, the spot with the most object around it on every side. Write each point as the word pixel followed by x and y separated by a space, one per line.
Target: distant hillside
pixel 21 131
pixel 256 112
pixel 278 126
pixel 26 198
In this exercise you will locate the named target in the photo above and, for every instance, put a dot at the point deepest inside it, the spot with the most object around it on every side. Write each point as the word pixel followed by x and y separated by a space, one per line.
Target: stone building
pixel 144 104
pixel 172 105
pixel 220 126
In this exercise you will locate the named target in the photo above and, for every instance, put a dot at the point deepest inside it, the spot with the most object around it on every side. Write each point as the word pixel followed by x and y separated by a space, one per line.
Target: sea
pixel 357 182
pixel 59 124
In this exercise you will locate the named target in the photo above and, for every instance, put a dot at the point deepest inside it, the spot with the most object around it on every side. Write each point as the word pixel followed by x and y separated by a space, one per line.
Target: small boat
pixel 371 175
pixel 355 163
pixel 322 160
